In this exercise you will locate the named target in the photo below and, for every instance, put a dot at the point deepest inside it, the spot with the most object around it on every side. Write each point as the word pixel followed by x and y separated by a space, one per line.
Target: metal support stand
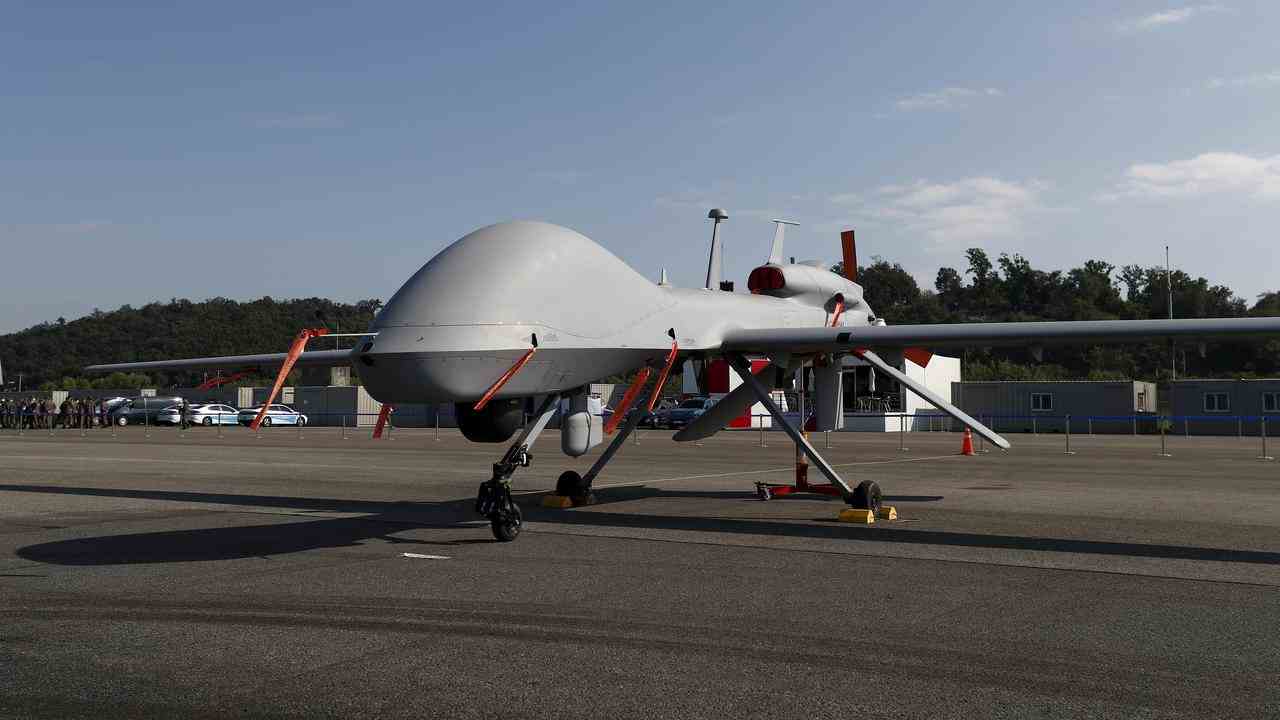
pixel 1068 450
pixel 1263 433
pixel 1163 449
pixel 743 367
pixel 902 433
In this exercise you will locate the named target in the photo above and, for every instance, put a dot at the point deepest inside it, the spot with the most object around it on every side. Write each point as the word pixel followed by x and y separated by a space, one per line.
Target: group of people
pixel 44 414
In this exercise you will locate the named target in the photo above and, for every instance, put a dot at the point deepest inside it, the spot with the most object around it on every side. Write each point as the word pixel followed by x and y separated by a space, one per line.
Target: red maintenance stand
pixel 768 491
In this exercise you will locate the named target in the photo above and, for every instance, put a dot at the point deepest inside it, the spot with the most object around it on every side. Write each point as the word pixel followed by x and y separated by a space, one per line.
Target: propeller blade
pixel 850 255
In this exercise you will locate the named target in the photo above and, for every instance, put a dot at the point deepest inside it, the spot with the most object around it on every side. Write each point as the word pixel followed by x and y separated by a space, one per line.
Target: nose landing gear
pixel 494 500
pixel 495 503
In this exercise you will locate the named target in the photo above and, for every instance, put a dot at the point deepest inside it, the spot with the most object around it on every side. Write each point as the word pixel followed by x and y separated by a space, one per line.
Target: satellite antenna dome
pixel 717 214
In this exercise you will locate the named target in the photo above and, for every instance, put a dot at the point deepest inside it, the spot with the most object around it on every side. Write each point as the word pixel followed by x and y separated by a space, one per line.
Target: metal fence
pixel 350 424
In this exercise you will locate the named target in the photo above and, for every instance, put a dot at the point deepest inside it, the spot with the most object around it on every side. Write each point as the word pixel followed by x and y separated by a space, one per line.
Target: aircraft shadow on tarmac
pixel 385 520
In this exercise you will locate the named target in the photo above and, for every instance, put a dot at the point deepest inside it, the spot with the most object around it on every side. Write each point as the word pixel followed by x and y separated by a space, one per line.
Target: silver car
pixel 144 411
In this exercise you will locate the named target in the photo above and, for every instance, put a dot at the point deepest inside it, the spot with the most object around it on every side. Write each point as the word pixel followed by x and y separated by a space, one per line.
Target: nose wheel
pixel 495 503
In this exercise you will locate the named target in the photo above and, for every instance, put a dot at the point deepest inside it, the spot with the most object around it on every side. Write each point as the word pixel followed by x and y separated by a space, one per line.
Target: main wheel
pixel 208 422
pixel 867 496
pixel 506 523
pixel 571 484
pixel 302 421
pixel 122 421
pixel 266 422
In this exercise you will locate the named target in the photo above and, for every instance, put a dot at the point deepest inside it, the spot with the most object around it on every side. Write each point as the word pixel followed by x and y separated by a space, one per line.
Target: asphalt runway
pixel 307 575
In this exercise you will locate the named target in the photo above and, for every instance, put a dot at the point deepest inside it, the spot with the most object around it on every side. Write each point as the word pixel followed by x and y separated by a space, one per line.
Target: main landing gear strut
pixel 494 499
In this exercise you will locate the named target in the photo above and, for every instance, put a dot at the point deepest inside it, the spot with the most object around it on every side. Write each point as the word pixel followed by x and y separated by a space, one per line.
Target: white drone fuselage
pixel 446 337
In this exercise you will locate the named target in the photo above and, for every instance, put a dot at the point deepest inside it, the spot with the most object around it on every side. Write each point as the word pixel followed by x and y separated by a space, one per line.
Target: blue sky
pixel 250 149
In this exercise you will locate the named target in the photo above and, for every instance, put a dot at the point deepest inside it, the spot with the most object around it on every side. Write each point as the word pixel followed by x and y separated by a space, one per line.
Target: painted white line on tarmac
pixel 426 557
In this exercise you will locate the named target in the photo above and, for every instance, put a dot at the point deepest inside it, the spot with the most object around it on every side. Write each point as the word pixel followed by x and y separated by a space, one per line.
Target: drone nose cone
pixel 518 273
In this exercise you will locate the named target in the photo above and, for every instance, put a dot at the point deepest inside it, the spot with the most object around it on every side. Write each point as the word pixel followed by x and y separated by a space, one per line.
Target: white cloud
pixel 1206 174
pixel 960 211
pixel 951 98
pixel 1165 18
pixel 562 177
pixel 300 121
pixel 1251 81
pixel 80 227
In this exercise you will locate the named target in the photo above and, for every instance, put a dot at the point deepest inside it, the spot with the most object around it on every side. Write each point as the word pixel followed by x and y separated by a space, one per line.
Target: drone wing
pixel 910 338
pixel 1083 332
pixel 268 361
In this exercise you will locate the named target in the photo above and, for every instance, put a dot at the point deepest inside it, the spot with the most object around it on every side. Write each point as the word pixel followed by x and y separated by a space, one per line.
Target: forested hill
pixel 1007 289
pixel 177 329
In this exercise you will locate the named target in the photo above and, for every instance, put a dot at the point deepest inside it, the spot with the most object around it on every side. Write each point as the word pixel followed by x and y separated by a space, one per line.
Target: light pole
pixel 1168 284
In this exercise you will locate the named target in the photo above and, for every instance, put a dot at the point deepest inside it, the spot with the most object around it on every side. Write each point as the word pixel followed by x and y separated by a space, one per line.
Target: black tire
pixel 302 421
pixel 207 422
pixel 867 496
pixel 764 493
pixel 506 525
pixel 571 484
pixel 122 421
pixel 266 421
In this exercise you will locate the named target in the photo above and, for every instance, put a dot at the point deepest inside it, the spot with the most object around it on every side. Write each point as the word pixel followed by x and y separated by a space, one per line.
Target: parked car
pixel 684 413
pixel 143 410
pixel 276 415
pixel 651 420
pixel 202 414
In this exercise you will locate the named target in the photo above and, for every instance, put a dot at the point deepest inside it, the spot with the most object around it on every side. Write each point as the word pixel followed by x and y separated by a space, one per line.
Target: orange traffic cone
pixel 966 446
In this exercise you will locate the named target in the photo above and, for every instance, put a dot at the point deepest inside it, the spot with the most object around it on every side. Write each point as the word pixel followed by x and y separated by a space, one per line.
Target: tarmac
pixel 308 574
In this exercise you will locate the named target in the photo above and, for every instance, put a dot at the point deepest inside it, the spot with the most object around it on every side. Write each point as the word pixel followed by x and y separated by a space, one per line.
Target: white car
pixel 276 415
pixel 214 414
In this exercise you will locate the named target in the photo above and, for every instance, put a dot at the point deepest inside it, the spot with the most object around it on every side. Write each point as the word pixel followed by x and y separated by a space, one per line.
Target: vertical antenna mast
pixel 715 264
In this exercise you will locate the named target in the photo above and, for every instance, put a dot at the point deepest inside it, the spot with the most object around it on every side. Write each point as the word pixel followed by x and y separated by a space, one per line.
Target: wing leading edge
pixel 318 358
pixel 1085 332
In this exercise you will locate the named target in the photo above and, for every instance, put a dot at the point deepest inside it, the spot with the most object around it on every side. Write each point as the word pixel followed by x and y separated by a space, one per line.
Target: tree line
pixel 1011 289
pixel 53 355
